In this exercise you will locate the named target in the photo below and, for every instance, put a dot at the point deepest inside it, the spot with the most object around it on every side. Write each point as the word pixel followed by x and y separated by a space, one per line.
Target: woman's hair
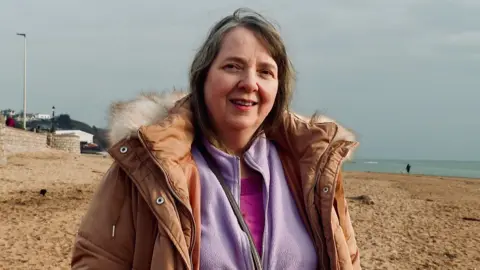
pixel 266 32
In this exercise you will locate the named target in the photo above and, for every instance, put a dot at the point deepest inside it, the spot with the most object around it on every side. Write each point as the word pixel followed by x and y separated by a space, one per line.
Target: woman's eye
pixel 231 67
pixel 266 73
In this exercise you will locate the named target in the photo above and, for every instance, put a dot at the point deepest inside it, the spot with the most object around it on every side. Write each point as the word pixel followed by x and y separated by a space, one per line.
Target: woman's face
pixel 242 83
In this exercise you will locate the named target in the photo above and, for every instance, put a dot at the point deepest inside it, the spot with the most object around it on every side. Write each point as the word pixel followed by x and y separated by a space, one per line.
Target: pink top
pixel 251 205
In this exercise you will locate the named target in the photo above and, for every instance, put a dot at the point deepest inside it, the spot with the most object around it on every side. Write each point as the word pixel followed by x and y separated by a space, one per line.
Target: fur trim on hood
pixel 149 108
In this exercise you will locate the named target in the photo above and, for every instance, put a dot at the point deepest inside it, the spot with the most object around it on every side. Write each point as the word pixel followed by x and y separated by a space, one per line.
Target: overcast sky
pixel 404 75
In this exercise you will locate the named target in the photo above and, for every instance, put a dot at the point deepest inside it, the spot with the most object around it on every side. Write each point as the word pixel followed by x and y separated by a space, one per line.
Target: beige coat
pixel 126 227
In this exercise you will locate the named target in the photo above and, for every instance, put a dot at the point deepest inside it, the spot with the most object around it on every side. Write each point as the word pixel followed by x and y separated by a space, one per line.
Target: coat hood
pixel 126 117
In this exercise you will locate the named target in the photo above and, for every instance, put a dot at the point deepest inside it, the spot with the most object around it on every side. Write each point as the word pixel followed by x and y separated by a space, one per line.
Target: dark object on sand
pixel 43 192
pixel 365 199
pixel 408 168
pixel 471 219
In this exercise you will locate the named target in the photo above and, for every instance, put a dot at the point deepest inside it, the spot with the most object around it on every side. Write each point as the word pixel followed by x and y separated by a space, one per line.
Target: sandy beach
pixel 415 222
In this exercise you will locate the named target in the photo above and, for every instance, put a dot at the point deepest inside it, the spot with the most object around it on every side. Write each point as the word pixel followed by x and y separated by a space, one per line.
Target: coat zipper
pixel 192 220
pixel 317 181
pixel 320 257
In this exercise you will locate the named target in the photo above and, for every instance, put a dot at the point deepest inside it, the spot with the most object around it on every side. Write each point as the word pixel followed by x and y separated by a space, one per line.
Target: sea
pixel 469 169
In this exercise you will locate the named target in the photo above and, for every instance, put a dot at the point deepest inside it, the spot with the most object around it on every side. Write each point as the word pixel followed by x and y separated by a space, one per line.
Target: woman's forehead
pixel 241 44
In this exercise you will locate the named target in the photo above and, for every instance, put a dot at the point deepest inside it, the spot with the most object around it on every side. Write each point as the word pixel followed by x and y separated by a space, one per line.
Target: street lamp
pixel 53 119
pixel 24 79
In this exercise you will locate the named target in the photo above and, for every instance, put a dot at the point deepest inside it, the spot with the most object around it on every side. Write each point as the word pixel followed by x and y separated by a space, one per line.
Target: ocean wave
pixel 371 162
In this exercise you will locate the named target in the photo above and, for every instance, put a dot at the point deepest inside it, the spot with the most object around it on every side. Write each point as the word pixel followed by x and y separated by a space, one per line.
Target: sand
pixel 415 222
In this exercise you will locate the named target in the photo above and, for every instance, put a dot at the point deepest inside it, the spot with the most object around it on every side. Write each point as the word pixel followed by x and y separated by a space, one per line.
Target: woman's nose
pixel 249 82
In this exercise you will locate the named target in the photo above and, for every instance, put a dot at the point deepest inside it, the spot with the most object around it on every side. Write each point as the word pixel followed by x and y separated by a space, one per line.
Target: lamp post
pixel 24 79
pixel 53 120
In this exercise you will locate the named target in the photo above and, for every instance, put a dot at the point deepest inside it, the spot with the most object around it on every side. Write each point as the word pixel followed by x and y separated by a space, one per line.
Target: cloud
pixel 467 39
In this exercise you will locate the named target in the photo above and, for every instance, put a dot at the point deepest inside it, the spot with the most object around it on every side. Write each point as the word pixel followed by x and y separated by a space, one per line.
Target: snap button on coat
pixel 160 200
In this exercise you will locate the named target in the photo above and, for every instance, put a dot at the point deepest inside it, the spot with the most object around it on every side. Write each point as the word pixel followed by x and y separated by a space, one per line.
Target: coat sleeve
pixel 105 238
pixel 346 223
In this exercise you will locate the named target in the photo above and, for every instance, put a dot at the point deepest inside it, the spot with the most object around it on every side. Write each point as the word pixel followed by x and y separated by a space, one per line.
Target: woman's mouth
pixel 243 104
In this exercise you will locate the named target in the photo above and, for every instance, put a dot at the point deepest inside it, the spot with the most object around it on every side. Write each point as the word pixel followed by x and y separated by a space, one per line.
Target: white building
pixel 84 136
pixel 42 116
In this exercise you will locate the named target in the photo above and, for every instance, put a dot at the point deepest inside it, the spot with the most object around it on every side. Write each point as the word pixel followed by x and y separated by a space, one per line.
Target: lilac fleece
pixel 286 243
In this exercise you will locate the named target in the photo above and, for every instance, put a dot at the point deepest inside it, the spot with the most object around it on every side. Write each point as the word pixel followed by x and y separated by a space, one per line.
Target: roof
pixel 63 131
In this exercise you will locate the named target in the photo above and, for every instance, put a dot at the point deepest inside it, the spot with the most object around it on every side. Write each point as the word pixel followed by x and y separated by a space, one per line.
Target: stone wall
pixel 20 141
pixel 65 142
pixel 3 155
pixel 14 141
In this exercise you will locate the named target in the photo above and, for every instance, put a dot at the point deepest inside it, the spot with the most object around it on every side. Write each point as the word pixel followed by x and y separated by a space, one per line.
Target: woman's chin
pixel 240 125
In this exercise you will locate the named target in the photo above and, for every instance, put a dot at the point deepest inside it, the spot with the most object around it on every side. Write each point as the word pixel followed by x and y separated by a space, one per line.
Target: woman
pixel 225 177
pixel 10 122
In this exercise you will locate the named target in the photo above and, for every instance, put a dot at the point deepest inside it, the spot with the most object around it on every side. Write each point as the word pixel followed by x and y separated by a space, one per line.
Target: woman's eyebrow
pixel 236 59
pixel 263 64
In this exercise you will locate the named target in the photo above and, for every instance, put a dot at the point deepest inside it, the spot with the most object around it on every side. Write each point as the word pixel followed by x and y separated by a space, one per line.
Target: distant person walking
pixel 10 122
pixel 408 168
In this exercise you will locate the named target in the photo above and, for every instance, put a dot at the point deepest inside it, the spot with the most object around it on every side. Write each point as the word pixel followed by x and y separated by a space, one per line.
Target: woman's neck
pixel 245 170
pixel 236 141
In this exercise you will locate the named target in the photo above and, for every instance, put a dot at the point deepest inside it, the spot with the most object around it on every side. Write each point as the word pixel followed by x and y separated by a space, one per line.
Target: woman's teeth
pixel 243 102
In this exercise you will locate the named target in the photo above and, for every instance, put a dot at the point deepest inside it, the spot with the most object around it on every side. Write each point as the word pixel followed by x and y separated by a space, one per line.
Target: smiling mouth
pixel 243 102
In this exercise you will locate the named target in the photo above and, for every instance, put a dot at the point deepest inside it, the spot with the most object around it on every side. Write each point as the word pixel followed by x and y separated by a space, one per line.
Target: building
pixel 84 136
pixel 33 116
pixel 42 116
pixel 19 117
pixel 8 112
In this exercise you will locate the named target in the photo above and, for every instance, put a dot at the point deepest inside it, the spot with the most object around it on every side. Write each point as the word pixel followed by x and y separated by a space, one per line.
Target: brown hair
pixel 269 35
